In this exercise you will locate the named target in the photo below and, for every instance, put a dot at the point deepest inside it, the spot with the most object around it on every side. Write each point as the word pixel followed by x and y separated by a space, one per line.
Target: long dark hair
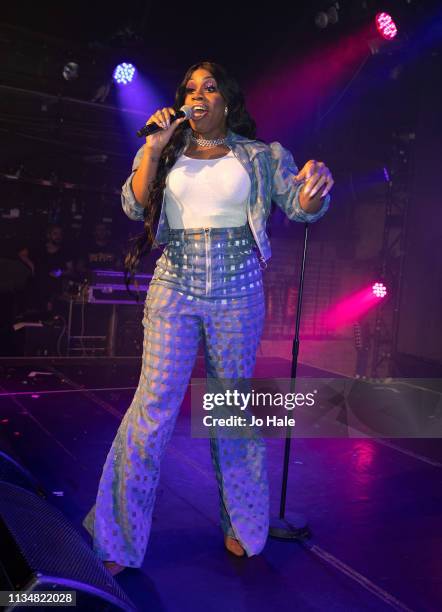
pixel 238 120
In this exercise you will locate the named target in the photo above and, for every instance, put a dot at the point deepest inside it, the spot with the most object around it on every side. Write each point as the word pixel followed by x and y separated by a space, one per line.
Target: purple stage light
pixel 386 26
pixel 124 73
pixel 379 290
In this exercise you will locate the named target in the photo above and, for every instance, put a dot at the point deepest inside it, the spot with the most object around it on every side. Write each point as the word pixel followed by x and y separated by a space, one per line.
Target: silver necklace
pixel 204 142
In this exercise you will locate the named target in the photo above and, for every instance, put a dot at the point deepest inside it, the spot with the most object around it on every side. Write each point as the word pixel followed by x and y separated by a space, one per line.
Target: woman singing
pixel 205 191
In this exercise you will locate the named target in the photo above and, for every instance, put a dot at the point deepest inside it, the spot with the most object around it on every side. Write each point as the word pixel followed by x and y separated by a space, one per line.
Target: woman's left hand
pixel 316 176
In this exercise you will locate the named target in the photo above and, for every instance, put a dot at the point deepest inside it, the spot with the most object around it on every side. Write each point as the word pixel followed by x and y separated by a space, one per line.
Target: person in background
pixel 100 253
pixel 50 262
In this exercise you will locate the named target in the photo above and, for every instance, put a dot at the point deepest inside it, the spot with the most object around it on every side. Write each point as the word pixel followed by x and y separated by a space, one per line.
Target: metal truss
pixel 398 194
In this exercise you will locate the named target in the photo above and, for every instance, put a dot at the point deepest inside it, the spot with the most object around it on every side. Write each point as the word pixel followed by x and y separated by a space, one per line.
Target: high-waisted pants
pixel 207 285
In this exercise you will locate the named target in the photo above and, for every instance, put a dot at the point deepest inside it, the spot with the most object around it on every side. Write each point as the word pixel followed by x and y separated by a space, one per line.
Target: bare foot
pixel 113 568
pixel 234 546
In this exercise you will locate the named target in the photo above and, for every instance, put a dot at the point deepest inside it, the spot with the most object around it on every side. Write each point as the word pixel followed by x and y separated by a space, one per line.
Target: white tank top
pixel 207 193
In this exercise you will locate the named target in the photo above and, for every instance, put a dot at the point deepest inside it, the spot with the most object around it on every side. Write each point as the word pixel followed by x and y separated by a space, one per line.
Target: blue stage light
pixel 124 73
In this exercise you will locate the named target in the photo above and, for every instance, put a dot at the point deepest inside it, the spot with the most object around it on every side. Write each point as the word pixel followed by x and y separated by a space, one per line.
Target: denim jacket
pixel 271 169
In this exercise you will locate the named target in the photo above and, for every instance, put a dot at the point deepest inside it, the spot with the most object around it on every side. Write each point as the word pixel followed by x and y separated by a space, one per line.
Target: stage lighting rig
pixel 71 71
pixel 329 16
pixel 386 26
pixel 124 73
pixel 379 290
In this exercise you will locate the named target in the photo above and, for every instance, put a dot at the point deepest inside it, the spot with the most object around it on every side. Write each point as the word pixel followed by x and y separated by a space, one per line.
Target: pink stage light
pixel 349 309
pixel 352 307
pixel 386 26
pixel 379 290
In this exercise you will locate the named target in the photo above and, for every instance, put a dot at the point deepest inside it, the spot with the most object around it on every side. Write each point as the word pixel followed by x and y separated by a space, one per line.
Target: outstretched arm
pixel 289 186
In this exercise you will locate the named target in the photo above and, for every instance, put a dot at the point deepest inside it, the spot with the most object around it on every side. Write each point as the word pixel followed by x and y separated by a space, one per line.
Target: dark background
pixel 64 157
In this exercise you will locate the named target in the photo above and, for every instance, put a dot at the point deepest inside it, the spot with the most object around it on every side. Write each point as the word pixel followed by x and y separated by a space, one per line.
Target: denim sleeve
pixel 285 191
pixel 131 207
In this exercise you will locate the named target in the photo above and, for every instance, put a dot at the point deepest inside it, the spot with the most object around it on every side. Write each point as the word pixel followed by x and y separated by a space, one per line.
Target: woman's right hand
pixel 162 118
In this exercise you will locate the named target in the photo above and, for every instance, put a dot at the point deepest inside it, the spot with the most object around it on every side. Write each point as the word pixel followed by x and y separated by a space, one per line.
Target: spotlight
pixel 383 31
pixel 379 290
pixel 332 14
pixel 323 18
pixel 386 26
pixel 124 73
pixel 70 71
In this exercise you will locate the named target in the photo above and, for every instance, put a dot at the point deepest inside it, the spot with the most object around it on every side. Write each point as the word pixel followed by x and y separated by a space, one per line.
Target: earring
pixel 226 110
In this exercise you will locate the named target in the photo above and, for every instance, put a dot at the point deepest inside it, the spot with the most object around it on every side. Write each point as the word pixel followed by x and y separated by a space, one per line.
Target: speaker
pixel 38 338
pixel 41 551
pixel 13 472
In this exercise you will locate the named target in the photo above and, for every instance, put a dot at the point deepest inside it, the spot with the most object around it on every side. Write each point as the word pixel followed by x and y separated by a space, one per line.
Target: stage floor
pixel 374 506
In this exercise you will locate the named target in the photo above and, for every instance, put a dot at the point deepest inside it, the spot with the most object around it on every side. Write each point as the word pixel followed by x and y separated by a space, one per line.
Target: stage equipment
pixel 323 18
pixel 70 71
pixel 398 195
pixel 13 472
pixel 103 287
pixel 108 287
pixel 362 338
pixel 291 526
pixel 152 128
pixel 40 337
pixel 386 26
pixel 124 73
pixel 379 290
pixel 41 552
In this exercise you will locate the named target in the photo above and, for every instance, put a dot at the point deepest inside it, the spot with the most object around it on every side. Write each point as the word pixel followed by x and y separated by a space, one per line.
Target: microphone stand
pixel 292 526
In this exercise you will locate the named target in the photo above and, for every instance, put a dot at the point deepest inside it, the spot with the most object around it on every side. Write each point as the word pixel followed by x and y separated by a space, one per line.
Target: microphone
pixel 147 130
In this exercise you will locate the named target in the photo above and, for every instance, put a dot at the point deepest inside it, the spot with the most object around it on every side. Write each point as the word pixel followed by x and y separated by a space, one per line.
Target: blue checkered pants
pixel 207 286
